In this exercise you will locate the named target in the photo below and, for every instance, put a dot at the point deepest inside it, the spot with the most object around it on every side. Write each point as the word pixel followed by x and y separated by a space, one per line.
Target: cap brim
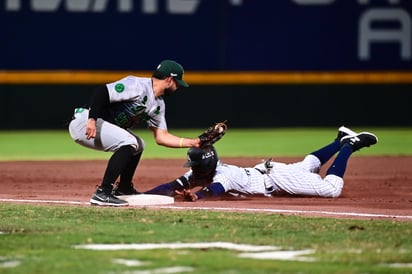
pixel 190 164
pixel 182 83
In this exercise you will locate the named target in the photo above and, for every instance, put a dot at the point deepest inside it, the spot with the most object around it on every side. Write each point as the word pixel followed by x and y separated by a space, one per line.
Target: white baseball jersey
pixel 243 180
pixel 132 101
pixel 299 178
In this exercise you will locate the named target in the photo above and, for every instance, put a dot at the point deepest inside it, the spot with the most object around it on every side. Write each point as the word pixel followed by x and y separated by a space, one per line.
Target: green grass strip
pixel 57 145
pixel 42 239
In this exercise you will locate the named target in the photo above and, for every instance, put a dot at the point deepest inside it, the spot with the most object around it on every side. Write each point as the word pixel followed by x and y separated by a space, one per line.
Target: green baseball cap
pixel 171 68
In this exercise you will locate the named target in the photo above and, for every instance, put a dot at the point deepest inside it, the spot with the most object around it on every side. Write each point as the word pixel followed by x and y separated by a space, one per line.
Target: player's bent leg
pixel 77 126
pixel 125 186
pixel 333 186
pixel 310 163
pixel 127 149
pixel 326 152
pixel 293 179
pixel 109 137
pixel 77 129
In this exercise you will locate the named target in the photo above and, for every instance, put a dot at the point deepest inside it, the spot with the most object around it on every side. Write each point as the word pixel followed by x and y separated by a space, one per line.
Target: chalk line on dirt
pixel 290 211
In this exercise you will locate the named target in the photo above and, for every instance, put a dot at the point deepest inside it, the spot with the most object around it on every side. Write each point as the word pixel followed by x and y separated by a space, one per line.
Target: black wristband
pixel 181 183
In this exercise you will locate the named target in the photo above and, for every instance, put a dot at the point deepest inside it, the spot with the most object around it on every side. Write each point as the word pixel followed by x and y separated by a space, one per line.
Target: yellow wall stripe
pixel 211 78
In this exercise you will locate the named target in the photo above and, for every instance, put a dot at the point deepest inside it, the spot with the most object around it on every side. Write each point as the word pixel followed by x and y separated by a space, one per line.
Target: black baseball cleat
pixel 344 131
pixel 360 140
pixel 125 189
pixel 101 198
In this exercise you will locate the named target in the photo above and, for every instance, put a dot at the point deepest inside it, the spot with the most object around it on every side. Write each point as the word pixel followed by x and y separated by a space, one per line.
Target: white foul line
pixel 257 210
pixel 271 210
pixel 44 201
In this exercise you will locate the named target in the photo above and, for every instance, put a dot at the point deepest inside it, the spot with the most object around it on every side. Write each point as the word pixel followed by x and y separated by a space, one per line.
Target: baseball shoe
pixel 344 131
pixel 360 140
pixel 103 199
pixel 125 189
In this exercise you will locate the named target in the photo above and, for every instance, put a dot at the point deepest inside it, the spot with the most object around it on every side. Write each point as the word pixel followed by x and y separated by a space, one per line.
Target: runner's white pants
pixel 302 178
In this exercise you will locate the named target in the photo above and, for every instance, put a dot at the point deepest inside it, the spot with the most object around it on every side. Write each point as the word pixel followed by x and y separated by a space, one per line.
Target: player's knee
pixel 312 163
pixel 138 146
pixel 332 193
pixel 137 149
pixel 336 193
pixel 336 186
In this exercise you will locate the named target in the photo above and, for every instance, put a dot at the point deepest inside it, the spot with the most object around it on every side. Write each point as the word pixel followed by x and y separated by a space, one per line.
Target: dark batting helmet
pixel 202 160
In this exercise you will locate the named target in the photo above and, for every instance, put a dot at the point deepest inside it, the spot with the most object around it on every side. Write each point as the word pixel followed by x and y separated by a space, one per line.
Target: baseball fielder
pixel 270 178
pixel 113 110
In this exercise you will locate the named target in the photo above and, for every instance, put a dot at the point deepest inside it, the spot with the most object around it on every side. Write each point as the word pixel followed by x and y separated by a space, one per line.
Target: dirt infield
pixel 375 187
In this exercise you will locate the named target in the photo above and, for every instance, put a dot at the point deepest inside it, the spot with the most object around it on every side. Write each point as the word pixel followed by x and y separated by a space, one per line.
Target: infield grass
pixel 42 239
pixel 57 145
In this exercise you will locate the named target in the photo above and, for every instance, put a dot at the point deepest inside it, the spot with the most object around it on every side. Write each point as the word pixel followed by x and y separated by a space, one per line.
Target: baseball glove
pixel 213 134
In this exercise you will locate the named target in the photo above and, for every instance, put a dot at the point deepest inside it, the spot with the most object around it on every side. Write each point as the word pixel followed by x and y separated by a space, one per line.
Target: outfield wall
pixel 269 105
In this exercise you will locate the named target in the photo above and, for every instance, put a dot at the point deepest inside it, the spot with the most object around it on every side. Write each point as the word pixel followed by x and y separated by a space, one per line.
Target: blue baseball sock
pixel 167 189
pixel 338 166
pixel 325 153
